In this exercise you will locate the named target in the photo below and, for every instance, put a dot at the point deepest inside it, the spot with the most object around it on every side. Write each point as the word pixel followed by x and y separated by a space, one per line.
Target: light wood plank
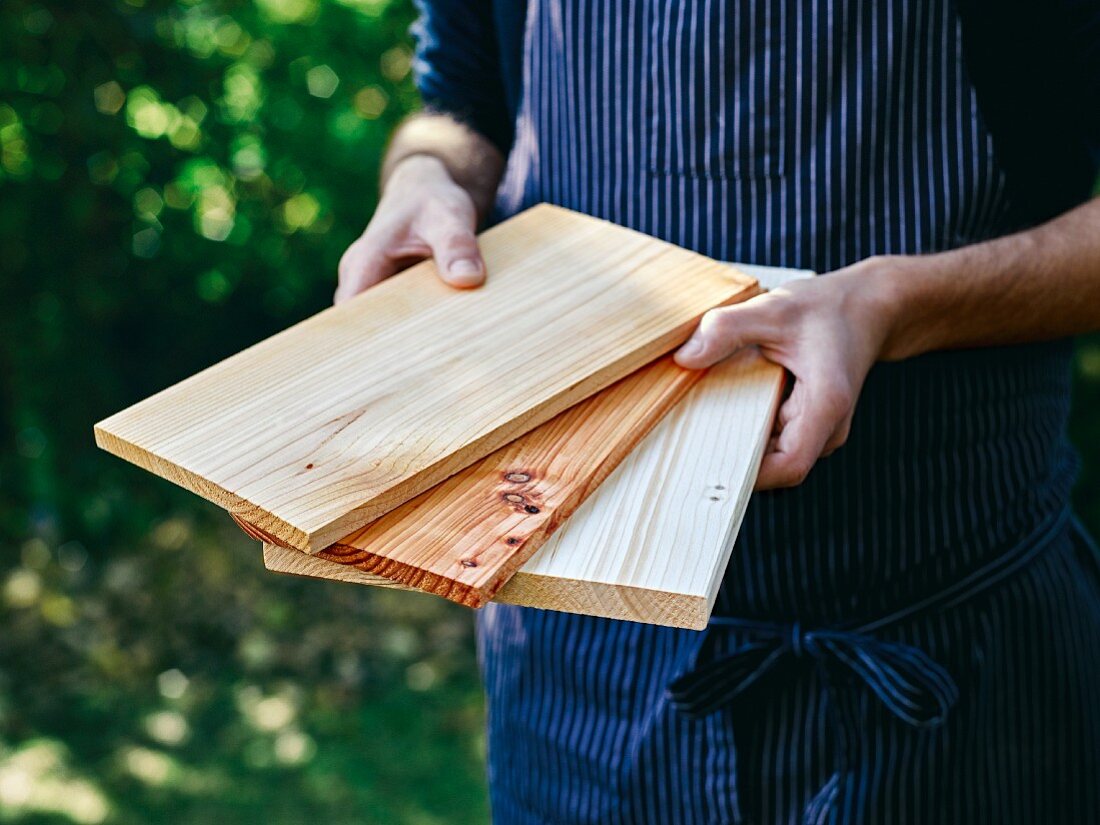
pixel 319 430
pixel 466 536
pixel 280 559
pixel 652 542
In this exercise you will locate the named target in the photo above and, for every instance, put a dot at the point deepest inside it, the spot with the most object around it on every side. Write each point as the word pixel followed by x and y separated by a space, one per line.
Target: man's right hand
pixel 422 213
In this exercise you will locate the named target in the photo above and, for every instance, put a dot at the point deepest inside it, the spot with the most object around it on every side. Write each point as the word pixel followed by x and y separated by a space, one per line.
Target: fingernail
pixel 691 349
pixel 463 267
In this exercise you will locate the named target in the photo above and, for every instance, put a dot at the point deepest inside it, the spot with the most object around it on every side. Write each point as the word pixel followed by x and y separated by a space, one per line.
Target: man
pixel 909 629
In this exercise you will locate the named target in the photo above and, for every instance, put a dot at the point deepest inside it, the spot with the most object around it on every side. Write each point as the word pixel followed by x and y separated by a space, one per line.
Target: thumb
pixel 723 331
pixel 454 247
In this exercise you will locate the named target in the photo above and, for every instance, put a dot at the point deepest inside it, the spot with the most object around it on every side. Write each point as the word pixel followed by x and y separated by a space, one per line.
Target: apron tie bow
pixel 913 687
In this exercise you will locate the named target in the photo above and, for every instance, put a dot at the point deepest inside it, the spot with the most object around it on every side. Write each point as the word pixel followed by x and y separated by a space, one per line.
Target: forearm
pixel 470 159
pixel 1039 284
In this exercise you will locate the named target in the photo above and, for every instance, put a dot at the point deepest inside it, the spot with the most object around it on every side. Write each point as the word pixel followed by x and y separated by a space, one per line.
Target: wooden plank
pixel 466 536
pixel 323 428
pixel 280 559
pixel 652 542
pixel 655 549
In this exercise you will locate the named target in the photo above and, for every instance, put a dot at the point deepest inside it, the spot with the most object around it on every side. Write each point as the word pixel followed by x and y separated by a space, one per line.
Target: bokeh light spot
pixel 35 779
pixel 148 766
pixel 168 727
pixel 300 211
pixel 102 168
pixel 421 676
pixel 395 63
pixel 36 554
pixel 109 97
pixel 292 747
pixel 72 556
pixel 146 242
pixel 288 11
pixel 370 102
pixel 22 588
pixel 148 203
pixel 172 684
pixel 37 20
pixel 322 81
pixel 213 287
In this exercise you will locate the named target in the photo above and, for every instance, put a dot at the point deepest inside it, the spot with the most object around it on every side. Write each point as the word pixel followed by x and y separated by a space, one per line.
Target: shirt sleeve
pixel 457 66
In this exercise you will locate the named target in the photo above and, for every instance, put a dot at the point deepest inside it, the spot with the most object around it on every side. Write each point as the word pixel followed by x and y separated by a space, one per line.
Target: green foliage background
pixel 178 180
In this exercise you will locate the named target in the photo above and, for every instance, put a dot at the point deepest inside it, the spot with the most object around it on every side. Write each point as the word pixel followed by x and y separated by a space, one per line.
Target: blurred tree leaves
pixel 177 181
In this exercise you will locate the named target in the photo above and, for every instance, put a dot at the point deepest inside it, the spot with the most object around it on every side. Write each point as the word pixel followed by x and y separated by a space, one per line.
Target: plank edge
pixel 237 506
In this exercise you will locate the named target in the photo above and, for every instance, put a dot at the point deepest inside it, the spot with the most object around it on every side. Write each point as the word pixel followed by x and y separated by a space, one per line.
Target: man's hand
pixel 1035 285
pixel 422 213
pixel 827 332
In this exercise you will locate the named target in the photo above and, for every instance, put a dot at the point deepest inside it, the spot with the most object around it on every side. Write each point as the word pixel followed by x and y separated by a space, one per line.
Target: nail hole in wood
pixel 517 478
pixel 531 508
pixel 309 466
pixel 715 498
pixel 512 540
pixel 719 487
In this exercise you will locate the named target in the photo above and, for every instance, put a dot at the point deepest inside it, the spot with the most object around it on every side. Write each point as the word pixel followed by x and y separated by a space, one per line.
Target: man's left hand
pixel 827 332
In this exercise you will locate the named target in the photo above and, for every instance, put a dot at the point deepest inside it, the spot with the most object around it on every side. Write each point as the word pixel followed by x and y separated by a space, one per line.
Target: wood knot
pixel 515 498
pixel 469 563
pixel 517 477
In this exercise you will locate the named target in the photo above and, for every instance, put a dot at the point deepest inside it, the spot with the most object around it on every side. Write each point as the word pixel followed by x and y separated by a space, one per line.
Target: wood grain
pixel 466 536
pixel 652 542
pixel 280 559
pixel 328 425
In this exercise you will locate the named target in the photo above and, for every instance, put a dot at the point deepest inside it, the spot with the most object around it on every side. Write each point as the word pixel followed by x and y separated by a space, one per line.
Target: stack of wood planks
pixel 529 441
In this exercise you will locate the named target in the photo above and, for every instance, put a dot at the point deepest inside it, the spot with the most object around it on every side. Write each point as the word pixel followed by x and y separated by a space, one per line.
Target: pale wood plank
pixel 340 419
pixel 280 559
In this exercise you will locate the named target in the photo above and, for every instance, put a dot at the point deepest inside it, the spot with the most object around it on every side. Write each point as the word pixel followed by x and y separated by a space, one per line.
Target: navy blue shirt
pixel 1035 66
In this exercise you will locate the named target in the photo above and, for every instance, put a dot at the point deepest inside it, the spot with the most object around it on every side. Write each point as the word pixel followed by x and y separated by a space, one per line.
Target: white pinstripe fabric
pixel 810 135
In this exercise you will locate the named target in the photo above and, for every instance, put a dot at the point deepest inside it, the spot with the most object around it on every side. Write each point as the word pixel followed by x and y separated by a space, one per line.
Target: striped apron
pixel 913 634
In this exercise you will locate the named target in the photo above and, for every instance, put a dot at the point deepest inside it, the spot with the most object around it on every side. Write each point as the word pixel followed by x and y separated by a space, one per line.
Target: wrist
pixel 893 293
pixel 416 168
pixel 874 299
pixel 444 150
